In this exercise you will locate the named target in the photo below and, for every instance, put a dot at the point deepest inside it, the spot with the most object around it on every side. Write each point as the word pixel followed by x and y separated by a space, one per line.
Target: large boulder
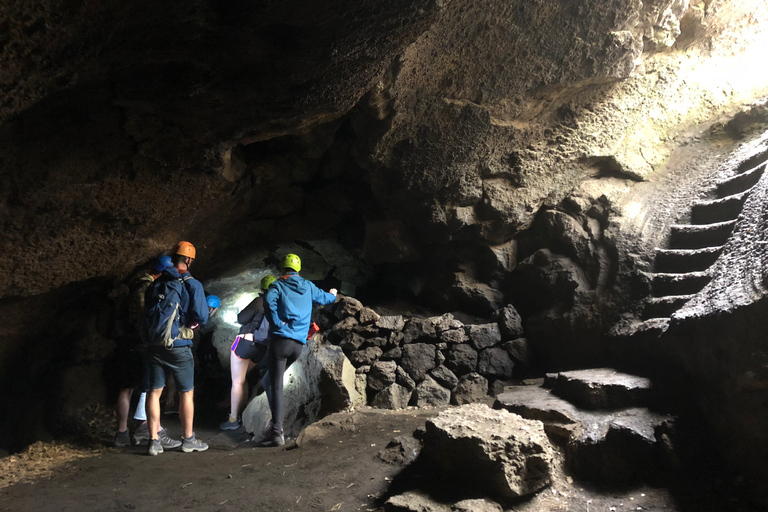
pixel 320 382
pixel 499 452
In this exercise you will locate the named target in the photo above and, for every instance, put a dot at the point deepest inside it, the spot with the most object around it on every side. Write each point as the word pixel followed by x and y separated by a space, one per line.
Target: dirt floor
pixel 338 469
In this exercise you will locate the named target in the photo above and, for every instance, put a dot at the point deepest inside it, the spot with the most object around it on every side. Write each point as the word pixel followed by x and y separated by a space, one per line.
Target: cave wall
pixel 460 155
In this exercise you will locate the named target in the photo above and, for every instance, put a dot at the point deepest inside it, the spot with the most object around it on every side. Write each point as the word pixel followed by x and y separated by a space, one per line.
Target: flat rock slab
pixel 601 388
pixel 615 445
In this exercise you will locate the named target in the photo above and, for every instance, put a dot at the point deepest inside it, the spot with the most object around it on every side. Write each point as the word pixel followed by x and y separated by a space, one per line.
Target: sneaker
pixel 166 442
pixel 192 444
pixel 273 438
pixel 141 433
pixel 155 448
pixel 230 425
pixel 122 439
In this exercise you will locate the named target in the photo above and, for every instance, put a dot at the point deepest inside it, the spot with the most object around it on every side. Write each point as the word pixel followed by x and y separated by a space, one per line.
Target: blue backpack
pixel 162 310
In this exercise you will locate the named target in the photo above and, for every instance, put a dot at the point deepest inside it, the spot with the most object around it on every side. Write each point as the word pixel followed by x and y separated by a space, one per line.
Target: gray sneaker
pixel 155 448
pixel 193 444
pixel 229 425
pixel 141 433
pixel 122 439
pixel 166 441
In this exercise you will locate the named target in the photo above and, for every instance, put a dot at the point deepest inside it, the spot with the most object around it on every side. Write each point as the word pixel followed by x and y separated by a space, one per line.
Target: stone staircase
pixel 681 270
pixel 601 421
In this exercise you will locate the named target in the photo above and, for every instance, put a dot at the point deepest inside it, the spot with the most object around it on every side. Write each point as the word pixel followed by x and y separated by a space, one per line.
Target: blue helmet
pixel 163 262
pixel 213 301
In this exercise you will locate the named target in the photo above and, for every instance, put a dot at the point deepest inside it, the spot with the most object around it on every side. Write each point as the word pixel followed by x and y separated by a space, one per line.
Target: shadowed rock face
pixel 461 155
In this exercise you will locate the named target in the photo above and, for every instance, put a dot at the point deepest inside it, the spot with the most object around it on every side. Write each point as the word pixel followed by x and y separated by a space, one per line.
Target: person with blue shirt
pixel 178 358
pixel 289 311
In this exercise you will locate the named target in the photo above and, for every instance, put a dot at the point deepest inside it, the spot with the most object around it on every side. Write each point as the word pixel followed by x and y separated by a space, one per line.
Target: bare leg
pixel 123 404
pixel 238 368
pixel 153 412
pixel 187 411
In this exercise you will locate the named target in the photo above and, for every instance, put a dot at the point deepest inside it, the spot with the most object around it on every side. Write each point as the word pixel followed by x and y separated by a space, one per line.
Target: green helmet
pixel 266 281
pixel 292 261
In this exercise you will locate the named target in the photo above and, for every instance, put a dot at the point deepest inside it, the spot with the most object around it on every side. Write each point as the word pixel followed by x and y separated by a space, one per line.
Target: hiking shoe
pixel 122 439
pixel 230 425
pixel 141 433
pixel 273 438
pixel 193 444
pixel 155 448
pixel 166 442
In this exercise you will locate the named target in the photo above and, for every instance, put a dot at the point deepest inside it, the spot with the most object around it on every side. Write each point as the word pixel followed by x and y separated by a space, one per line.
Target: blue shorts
pixel 178 360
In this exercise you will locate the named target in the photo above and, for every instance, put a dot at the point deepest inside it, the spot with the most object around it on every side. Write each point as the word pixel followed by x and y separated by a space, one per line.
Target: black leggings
pixel 280 356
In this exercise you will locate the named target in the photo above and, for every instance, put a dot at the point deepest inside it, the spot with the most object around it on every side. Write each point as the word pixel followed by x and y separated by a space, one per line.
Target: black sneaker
pixel 273 438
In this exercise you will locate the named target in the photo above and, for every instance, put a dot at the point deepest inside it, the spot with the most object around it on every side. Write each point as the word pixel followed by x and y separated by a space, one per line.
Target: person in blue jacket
pixel 178 359
pixel 289 312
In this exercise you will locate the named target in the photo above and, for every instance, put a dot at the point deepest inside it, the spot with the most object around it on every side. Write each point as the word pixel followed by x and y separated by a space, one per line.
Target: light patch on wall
pixel 229 315
pixel 632 209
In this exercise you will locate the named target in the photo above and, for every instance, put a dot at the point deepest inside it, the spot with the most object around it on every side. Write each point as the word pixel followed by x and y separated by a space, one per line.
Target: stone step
pixel 718 210
pixel 600 388
pixel 684 261
pixel 741 182
pixel 620 446
pixel 663 285
pixel 696 236
pixel 664 307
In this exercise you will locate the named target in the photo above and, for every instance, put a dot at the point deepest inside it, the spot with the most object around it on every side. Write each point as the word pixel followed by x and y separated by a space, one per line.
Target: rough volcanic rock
pixel 367 316
pixel 414 501
pixel 404 379
pixel 321 381
pixel 471 388
pixel 502 453
pixel 418 359
pixel 453 336
pixel 381 375
pixel 476 505
pixel 510 323
pixel 495 363
pixel 351 342
pixel 418 330
pixel 519 350
pixel 347 306
pixel 390 323
pixel 445 322
pixel 392 397
pixel 401 450
pixel 444 377
pixel 462 359
pixel 366 356
pixel 393 354
pixel 430 394
pixel 484 336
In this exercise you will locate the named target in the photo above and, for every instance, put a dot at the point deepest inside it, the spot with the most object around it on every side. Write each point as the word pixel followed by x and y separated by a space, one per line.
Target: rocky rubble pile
pixel 431 361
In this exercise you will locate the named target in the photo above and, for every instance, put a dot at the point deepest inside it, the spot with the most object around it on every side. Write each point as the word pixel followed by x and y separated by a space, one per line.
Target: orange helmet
pixel 185 249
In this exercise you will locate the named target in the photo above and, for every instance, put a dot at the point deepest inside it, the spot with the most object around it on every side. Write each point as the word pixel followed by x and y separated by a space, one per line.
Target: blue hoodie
pixel 194 306
pixel 289 306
